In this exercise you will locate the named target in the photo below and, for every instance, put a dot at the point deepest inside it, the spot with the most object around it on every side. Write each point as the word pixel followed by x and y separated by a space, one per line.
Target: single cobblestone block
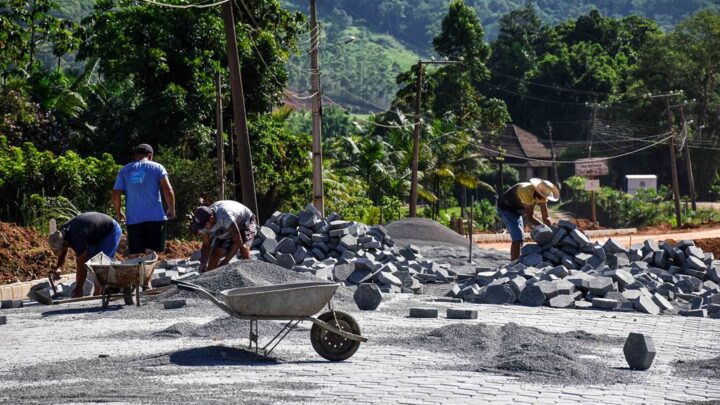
pixel 600 286
pixel 713 272
pixel 647 305
pixel 583 305
pixel 615 295
pixel 3 320
pixel 639 351
pixel 455 313
pixel 499 294
pixel 713 308
pixel 7 304
pixel 662 302
pixel 542 234
pixel 367 297
pixel 531 260
pixel 562 301
pixel 517 284
pixel 532 296
pixel 564 287
pixel 605 303
pixel 650 245
pixel 423 313
pixel 174 304
pixel 699 313
pixel 614 246
pixel 695 263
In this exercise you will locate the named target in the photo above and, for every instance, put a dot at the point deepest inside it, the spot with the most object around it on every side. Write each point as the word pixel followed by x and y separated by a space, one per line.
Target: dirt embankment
pixel 24 254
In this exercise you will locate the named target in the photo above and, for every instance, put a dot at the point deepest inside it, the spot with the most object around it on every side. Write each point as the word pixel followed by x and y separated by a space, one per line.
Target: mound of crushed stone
pixel 709 368
pixel 246 273
pixel 221 328
pixel 424 232
pixel 523 352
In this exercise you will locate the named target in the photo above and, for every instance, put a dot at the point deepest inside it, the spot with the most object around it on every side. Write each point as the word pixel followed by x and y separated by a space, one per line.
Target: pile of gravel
pixel 564 269
pixel 424 232
pixel 246 273
pixel 524 352
pixel 709 368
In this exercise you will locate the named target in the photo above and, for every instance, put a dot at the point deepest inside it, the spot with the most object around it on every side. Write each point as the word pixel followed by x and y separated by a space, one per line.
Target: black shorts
pixel 247 233
pixel 146 235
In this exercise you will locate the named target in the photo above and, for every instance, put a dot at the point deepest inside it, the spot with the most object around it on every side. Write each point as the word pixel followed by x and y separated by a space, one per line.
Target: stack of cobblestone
pixel 564 269
pixel 345 251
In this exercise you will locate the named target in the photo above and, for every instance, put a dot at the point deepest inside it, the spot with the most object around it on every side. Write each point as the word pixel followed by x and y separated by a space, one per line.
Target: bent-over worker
pixel 87 234
pixel 226 227
pixel 520 200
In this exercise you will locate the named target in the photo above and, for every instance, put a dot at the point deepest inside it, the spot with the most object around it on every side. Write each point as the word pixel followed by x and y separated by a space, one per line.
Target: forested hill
pixel 391 34
pixel 416 22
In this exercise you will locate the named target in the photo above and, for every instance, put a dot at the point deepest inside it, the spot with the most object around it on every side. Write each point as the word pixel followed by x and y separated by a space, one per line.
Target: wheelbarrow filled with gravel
pixel 334 335
pixel 126 275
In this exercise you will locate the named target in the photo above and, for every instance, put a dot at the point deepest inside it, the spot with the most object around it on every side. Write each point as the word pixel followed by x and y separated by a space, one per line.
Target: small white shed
pixel 633 182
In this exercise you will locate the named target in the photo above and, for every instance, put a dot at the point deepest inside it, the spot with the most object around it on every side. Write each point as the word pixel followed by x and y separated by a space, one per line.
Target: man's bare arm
pixel 204 251
pixel 117 205
pixel 545 215
pixel 236 245
pixel 169 196
pixel 529 215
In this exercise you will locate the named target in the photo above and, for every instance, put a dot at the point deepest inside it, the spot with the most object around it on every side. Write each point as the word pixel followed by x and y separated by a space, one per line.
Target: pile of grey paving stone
pixel 564 269
pixel 345 251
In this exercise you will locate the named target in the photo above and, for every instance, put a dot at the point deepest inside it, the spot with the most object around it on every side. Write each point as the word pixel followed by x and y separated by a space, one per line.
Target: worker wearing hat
pixel 141 181
pixel 87 234
pixel 225 226
pixel 520 200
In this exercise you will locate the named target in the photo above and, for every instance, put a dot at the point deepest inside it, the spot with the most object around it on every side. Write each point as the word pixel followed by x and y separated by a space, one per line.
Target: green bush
pixel 28 175
pixel 484 215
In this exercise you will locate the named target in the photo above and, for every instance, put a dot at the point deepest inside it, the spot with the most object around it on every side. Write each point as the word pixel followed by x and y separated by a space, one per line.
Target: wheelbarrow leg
pixel 253 338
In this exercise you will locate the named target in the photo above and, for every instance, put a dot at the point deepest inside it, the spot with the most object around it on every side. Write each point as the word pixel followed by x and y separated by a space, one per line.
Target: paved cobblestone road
pixel 377 373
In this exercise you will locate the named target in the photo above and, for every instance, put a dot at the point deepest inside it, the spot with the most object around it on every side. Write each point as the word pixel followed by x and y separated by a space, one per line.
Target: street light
pixel 416 138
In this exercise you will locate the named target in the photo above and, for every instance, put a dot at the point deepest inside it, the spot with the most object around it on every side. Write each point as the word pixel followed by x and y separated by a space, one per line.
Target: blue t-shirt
pixel 141 183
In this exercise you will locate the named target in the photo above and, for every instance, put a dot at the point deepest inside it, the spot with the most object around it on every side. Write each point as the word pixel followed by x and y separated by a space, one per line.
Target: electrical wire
pixel 184 6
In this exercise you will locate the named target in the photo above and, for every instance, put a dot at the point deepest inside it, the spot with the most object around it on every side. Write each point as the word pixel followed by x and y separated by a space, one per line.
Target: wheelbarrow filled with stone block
pixel 129 274
pixel 334 335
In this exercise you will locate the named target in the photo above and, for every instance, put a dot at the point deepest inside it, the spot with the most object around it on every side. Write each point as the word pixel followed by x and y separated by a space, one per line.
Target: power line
pixel 185 6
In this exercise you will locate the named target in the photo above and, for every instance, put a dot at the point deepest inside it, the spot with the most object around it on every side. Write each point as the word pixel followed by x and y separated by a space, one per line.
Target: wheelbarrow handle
pixel 184 285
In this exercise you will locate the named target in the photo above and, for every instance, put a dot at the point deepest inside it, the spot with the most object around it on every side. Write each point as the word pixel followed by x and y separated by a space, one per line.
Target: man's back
pixel 228 212
pixel 140 181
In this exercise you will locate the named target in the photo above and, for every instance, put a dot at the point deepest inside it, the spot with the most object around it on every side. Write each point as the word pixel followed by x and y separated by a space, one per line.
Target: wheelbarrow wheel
pixel 331 346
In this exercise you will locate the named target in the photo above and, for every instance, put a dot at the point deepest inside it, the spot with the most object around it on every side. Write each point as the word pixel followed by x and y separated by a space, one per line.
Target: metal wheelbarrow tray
pixel 335 335
pixel 114 274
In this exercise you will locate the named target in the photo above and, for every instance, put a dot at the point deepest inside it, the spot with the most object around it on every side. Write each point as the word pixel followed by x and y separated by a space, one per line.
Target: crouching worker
pixel 226 227
pixel 87 234
pixel 520 200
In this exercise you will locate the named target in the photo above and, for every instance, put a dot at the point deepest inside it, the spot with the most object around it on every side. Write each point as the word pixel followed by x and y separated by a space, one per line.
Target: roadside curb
pixel 19 290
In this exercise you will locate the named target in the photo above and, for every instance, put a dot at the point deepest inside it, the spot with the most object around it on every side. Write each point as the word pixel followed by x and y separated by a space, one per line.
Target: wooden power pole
pixel 416 141
pixel 688 161
pixel 219 138
pixel 673 164
pixel 317 179
pixel 242 138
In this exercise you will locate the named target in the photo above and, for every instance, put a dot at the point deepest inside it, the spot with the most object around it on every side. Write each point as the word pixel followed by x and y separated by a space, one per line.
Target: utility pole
pixel 242 138
pixel 593 211
pixel 552 153
pixel 416 141
pixel 219 137
pixel 317 179
pixel 416 137
pixel 673 164
pixel 688 161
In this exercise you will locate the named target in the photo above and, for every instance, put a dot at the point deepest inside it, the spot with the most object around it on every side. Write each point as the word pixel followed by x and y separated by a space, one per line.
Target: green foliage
pixel 484 215
pixel 191 179
pixel 392 208
pixel 26 172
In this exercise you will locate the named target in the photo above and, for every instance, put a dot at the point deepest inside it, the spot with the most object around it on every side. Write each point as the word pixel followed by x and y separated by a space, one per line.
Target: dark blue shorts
pixel 514 223
pixel 109 244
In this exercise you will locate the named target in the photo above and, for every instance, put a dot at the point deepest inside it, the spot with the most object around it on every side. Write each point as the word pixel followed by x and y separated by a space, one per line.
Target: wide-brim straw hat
pixel 546 189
